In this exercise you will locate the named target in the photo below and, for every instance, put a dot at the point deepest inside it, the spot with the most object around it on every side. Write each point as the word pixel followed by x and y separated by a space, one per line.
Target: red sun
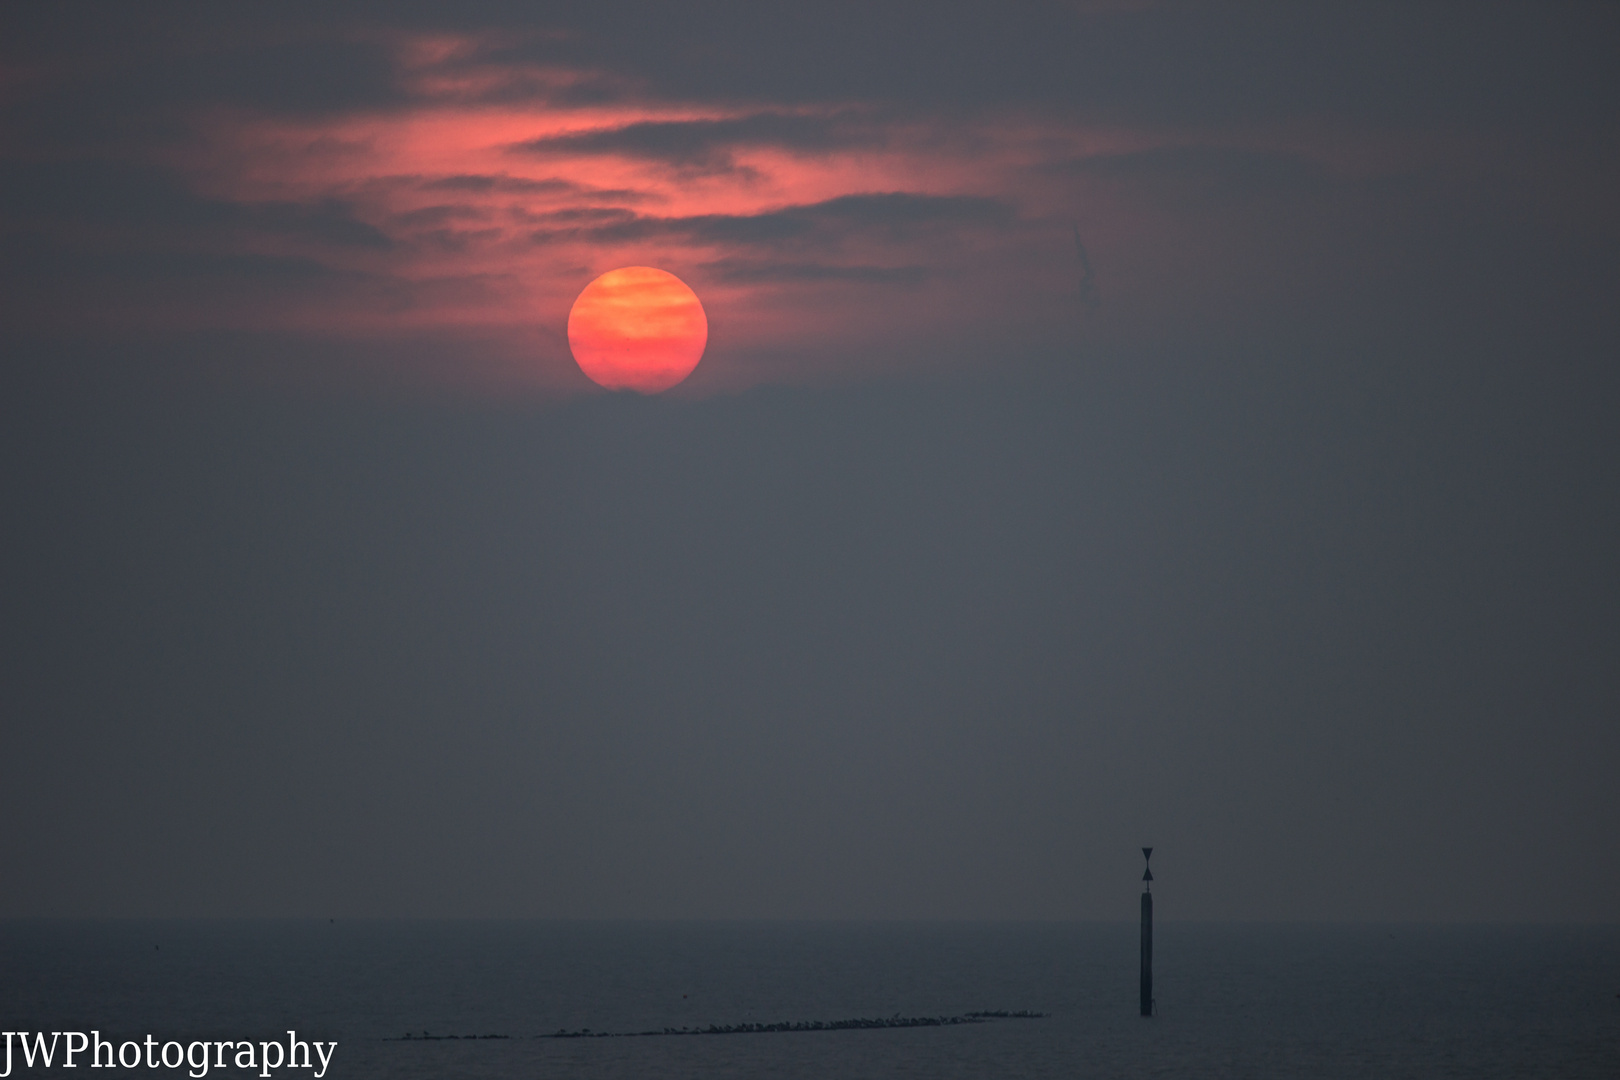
pixel 637 328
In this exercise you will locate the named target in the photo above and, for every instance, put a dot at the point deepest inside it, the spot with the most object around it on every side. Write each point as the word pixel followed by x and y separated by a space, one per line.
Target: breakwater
pixel 749 1028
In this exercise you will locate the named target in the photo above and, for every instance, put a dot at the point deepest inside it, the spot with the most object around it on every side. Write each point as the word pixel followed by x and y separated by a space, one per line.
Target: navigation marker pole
pixel 1147 935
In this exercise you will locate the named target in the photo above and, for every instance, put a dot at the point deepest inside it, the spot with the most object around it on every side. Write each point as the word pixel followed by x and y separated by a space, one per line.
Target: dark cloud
pixel 456 239
pixel 709 144
pixel 110 193
pixel 53 287
pixel 901 209
pixel 889 216
pixel 587 216
pixel 517 185
pixel 85 239
pixel 247 268
pixel 441 215
pixel 330 220
pixel 754 272
pixel 30 260
pixel 467 182
pixel 487 86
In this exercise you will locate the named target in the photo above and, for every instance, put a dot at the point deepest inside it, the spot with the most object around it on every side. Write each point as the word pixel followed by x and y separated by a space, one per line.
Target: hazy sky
pixel 1282 538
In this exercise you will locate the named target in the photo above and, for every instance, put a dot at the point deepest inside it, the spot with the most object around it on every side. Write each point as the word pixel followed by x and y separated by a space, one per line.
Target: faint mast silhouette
pixel 1088 280
pixel 1147 934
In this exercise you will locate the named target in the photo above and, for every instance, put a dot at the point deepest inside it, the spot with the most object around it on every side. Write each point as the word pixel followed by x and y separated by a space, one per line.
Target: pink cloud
pixel 826 241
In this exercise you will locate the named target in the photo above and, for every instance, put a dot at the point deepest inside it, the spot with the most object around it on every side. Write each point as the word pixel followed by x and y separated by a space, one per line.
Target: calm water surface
pixel 1234 1001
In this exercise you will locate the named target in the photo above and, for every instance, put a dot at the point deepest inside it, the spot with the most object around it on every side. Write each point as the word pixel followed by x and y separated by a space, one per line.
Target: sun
pixel 637 328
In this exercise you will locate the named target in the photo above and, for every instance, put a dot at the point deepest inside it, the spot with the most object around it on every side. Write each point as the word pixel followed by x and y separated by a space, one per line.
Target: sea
pixel 648 1000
